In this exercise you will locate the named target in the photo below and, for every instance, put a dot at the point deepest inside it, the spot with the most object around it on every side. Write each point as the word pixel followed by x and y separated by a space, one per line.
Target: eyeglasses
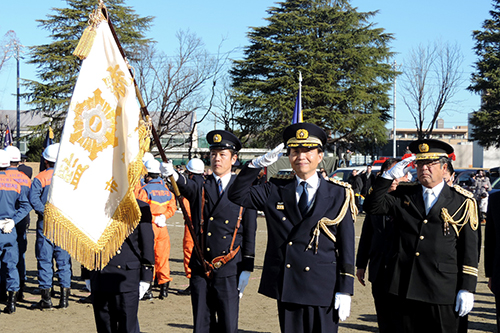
pixel 427 163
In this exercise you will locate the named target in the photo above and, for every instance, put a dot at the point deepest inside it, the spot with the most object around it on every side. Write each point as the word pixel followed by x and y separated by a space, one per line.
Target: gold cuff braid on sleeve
pixel 470 270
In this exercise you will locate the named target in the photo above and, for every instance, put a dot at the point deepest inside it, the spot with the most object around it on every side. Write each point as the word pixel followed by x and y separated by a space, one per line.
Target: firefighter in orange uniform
pixel 163 206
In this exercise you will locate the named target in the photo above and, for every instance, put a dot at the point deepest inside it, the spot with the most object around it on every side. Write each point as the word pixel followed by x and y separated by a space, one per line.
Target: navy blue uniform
pixel 218 297
pixel 115 288
pixel 492 248
pixel 302 280
pixel 13 205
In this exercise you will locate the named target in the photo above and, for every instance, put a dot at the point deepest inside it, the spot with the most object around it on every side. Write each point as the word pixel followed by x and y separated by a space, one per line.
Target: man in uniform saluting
pixel 434 271
pixel 226 233
pixel 309 261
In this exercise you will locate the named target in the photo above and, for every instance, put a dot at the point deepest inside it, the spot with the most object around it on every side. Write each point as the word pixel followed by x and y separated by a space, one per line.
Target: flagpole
pixel 156 139
pixel 301 118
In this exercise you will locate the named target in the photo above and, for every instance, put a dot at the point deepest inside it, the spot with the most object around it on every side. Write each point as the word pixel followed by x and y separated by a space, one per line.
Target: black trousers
pixel 298 318
pixel 116 312
pixel 215 304
pixel 425 317
pixel 389 317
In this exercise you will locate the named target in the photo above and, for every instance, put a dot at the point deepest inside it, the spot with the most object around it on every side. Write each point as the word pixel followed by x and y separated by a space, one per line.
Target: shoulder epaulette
pixel 463 191
pixel 339 182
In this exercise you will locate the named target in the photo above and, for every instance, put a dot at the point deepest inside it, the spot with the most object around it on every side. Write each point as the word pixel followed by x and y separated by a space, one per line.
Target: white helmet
pixel 4 159
pixel 153 166
pixel 50 153
pixel 14 153
pixel 195 165
pixel 147 156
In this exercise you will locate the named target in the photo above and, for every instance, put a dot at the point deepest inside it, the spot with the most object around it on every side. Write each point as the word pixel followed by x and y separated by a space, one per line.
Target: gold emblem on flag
pixel 217 138
pixel 423 148
pixel 95 125
pixel 302 134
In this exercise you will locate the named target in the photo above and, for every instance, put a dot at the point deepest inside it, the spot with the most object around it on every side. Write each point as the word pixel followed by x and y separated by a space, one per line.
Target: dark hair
pixel 388 163
pixel 450 167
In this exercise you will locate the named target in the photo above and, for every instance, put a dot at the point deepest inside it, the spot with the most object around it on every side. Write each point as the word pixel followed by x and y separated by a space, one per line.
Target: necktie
pixel 219 184
pixel 303 199
pixel 429 196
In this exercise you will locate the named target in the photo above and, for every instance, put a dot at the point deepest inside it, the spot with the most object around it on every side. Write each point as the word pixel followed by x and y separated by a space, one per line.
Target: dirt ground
pixel 257 313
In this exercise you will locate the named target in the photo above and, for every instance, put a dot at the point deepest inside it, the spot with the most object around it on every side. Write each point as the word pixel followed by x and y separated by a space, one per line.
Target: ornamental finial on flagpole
pixel 87 40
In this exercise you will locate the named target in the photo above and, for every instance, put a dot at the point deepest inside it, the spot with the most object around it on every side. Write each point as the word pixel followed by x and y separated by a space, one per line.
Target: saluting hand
pixel 399 169
pixel 269 158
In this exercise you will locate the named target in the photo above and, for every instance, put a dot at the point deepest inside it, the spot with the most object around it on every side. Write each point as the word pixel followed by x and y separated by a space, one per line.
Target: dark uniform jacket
pixel 292 274
pixel 492 242
pixel 220 219
pixel 375 246
pixel 428 265
pixel 133 263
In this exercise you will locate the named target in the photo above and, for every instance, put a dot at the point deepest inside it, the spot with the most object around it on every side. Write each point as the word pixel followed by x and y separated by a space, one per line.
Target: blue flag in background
pixel 7 140
pixel 49 139
pixel 297 111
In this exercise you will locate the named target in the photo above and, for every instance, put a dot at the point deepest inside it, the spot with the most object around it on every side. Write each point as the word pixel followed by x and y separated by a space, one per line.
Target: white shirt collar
pixel 312 182
pixel 436 189
pixel 224 179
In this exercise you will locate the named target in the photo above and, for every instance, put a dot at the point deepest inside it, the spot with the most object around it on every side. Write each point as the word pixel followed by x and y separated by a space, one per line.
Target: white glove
pixel 160 220
pixel 243 282
pixel 167 170
pixel 269 158
pixel 343 305
pixel 87 284
pixel 400 169
pixel 465 302
pixel 143 287
pixel 8 225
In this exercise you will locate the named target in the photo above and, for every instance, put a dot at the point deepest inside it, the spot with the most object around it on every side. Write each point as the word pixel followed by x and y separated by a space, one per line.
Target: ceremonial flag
pixel 49 139
pixel 7 140
pixel 91 207
pixel 297 111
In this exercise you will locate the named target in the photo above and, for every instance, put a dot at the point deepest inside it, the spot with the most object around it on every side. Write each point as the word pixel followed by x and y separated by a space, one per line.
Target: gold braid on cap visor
pixel 430 156
pixel 309 142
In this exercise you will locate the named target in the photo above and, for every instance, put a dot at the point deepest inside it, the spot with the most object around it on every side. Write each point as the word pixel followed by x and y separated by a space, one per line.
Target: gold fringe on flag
pixel 87 40
pixel 125 219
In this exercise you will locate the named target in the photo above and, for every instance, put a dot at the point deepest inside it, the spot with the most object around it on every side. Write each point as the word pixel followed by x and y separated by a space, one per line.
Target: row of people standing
pixel 16 206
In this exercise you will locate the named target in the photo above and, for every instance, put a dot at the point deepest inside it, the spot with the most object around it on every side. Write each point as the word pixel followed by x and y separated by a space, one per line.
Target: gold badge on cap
pixel 423 148
pixel 217 138
pixel 302 134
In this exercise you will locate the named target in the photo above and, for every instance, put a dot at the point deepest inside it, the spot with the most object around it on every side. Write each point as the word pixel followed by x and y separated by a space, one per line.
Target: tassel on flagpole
pixel 87 40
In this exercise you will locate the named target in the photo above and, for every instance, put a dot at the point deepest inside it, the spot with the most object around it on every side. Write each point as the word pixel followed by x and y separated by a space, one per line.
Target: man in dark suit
pixel 27 170
pixel 492 249
pixel 375 250
pixel 309 260
pixel 434 271
pixel 368 178
pixel 115 288
pixel 226 234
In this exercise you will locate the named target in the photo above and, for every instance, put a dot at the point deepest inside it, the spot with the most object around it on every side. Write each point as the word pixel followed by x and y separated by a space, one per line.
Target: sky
pixel 412 23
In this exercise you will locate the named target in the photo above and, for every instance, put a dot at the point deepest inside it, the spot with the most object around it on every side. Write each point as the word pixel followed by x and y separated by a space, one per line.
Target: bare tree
pixel 8 47
pixel 432 77
pixel 173 87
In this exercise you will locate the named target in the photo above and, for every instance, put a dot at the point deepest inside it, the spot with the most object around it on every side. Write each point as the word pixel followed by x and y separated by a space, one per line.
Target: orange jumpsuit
pixel 187 242
pixel 162 202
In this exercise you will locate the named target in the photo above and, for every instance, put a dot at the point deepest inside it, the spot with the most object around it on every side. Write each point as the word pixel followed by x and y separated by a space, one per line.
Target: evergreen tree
pixel 344 64
pixel 57 67
pixel 486 81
